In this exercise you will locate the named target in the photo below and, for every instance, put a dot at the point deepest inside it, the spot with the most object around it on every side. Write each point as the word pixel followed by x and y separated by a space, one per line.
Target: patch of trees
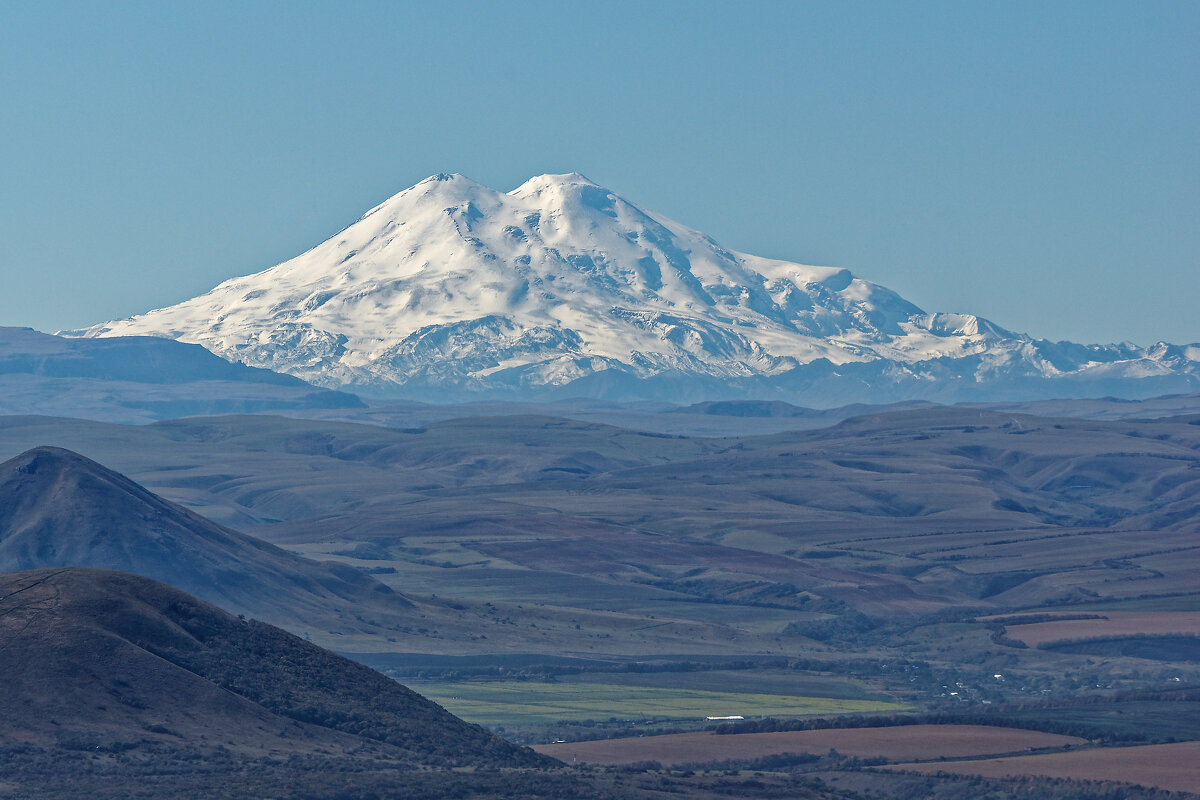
pixel 770 763
pixel 945 786
pixel 754 593
pixel 1155 647
pixel 53 773
pixel 1065 727
pixel 1030 619
pixel 224 775
pixel 296 679
pixel 848 628
pixel 999 635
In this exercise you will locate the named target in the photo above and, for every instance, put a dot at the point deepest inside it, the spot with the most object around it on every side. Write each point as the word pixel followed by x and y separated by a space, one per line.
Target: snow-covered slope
pixel 451 288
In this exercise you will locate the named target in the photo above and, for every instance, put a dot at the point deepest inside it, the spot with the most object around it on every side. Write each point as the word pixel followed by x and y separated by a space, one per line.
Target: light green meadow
pixel 527 702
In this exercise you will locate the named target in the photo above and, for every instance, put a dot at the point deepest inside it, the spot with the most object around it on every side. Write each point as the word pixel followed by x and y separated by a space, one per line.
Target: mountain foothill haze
pixel 138 379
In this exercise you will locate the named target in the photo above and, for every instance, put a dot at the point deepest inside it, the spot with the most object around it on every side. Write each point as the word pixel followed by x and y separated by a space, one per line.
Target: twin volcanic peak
pixel 451 288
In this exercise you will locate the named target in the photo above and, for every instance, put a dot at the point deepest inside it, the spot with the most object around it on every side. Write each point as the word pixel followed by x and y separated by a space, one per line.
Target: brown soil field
pixel 1175 767
pixel 1114 623
pixel 903 743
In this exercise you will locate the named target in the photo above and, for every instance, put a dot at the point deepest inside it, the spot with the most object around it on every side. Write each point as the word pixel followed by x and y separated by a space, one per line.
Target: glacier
pixel 452 290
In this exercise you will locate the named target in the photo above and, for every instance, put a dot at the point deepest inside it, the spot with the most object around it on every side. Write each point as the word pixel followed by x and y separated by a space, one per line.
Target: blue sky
pixel 1033 163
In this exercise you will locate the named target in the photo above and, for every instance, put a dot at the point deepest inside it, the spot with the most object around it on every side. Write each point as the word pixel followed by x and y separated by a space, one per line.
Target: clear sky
pixel 1034 163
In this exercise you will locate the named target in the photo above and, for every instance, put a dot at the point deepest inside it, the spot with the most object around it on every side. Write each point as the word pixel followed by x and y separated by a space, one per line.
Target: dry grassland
pixel 902 743
pixel 1175 767
pixel 1114 623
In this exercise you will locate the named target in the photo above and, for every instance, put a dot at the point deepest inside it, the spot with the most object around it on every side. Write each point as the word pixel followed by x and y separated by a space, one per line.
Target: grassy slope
pixel 553 537
pixel 104 656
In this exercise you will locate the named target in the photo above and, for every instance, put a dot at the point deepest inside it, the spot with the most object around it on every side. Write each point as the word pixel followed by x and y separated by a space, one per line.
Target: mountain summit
pixel 451 288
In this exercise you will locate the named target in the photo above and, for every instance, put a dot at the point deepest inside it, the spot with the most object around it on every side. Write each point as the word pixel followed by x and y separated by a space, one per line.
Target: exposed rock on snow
pixel 451 288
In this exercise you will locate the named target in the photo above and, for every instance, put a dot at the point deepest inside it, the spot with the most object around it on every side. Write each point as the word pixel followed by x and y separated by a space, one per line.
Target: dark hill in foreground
pixel 102 660
pixel 59 509
pixel 117 686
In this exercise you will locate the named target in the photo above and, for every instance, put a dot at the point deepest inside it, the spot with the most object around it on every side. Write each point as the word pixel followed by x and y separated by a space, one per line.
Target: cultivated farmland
pixel 783 574
pixel 1175 767
pixel 1110 623
pixel 529 702
pixel 895 743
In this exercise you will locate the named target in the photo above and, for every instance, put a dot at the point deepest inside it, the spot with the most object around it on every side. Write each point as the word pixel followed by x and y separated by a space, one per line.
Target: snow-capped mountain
pixel 451 288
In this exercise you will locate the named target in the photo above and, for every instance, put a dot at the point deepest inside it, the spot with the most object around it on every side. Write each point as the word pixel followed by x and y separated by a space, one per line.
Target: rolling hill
pixel 104 659
pixel 118 686
pixel 60 509
pixel 891 513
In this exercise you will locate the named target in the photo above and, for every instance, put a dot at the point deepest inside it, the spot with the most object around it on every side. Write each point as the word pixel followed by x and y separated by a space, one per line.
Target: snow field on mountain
pixel 451 283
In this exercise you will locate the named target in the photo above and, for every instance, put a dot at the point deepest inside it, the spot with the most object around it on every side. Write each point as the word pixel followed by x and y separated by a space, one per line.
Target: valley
pixel 836 436
pixel 572 580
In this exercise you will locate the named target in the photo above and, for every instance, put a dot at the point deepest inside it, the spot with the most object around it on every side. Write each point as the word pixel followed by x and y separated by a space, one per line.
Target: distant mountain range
pixel 451 290
pixel 135 379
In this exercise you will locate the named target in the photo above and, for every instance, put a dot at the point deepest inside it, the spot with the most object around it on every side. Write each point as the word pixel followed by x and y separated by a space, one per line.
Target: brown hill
pixel 102 660
pixel 58 509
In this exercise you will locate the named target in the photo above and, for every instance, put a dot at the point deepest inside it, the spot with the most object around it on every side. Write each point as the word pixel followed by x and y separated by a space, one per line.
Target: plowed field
pixel 908 742
pixel 1175 767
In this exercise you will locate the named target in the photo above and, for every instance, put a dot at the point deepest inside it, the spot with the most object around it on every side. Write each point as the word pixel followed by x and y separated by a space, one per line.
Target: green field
pixel 528 702
pixel 790 683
